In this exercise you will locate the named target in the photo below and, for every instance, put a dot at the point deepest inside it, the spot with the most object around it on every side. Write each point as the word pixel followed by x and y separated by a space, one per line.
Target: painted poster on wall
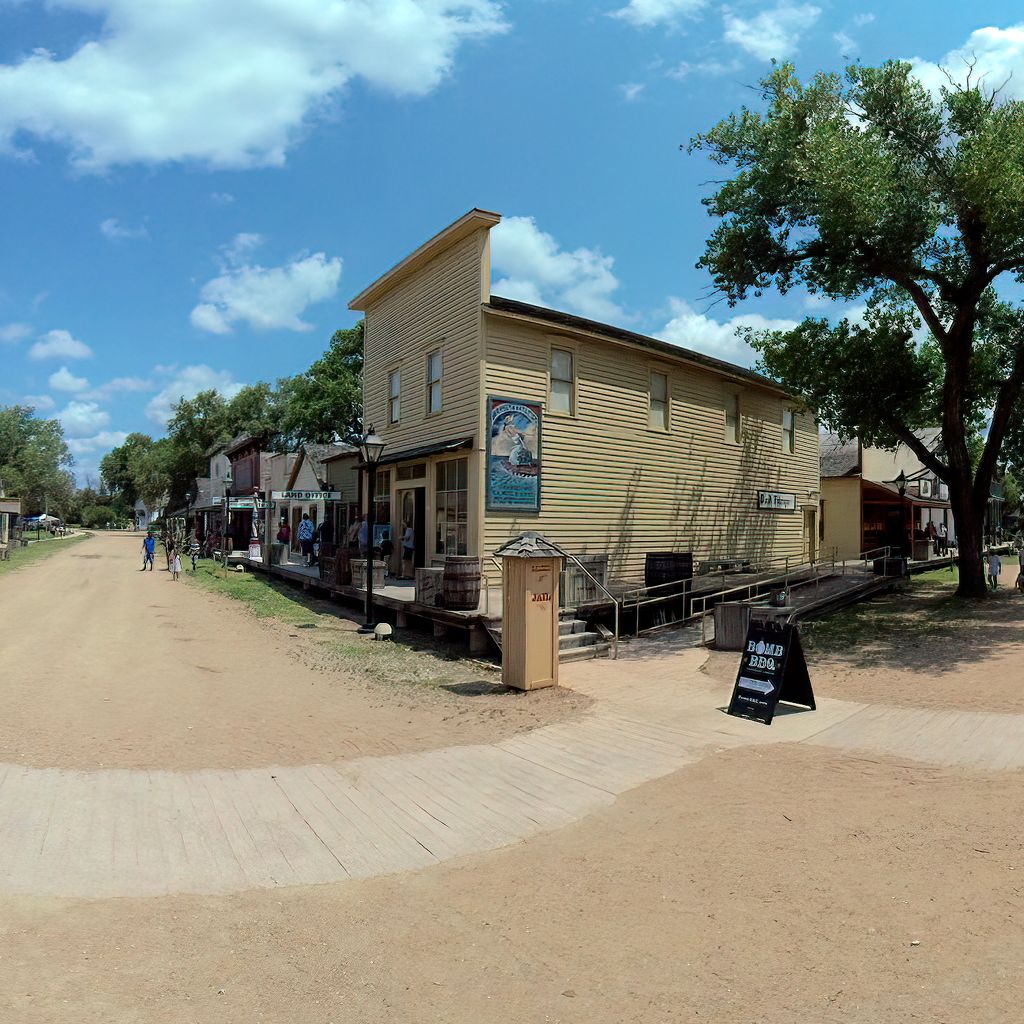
pixel 513 455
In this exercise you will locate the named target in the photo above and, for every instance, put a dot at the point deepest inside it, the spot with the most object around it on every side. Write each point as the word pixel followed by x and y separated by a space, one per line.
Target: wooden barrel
pixel 663 567
pixel 343 566
pixel 461 583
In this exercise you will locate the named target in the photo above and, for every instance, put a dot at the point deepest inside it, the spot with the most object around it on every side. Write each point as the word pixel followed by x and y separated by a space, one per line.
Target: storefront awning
pixel 875 491
pixel 440 448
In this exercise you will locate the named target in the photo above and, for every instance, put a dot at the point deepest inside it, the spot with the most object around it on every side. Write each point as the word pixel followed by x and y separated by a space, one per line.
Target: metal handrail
pixel 607 593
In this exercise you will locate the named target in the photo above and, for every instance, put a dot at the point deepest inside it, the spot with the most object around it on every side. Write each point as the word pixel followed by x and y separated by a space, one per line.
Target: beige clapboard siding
pixel 438 306
pixel 841 508
pixel 612 485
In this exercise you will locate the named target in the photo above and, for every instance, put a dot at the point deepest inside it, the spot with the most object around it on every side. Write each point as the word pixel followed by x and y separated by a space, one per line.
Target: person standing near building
pixel 943 539
pixel 363 536
pixel 306 531
pixel 175 564
pixel 193 550
pixel 995 567
pixel 408 550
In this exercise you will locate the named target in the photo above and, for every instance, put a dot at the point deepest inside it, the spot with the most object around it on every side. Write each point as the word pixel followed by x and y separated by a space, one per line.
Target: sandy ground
pixel 785 884
pixel 104 665
pixel 773 885
pixel 945 658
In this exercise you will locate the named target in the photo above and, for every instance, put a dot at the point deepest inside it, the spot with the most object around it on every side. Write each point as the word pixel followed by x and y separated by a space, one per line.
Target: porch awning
pixel 439 448
pixel 876 491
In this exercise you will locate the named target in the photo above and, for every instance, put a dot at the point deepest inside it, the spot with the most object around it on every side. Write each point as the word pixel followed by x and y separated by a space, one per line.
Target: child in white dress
pixel 175 565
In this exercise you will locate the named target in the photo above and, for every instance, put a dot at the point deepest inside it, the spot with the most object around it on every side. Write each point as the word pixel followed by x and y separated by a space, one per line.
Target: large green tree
pixel 869 187
pixel 327 400
pixel 35 461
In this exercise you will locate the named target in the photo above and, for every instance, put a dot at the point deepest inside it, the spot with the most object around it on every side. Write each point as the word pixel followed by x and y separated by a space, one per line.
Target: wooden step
pixel 598 650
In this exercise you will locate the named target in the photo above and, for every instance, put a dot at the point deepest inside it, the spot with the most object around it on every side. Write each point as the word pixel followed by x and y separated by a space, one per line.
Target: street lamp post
pixel 371 447
pixel 227 520
pixel 188 512
pixel 901 486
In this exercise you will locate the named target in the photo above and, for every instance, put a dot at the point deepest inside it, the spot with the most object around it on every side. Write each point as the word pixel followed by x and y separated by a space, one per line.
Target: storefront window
pixel 452 508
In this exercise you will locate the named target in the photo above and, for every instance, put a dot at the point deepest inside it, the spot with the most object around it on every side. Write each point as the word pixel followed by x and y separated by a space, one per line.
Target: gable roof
pixel 838 458
pixel 316 455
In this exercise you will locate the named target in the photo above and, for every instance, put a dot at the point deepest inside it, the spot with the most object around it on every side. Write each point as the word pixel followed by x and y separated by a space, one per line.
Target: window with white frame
pixel 658 415
pixel 434 371
pixel 394 396
pixel 788 431
pixel 562 382
pixel 451 508
pixel 733 419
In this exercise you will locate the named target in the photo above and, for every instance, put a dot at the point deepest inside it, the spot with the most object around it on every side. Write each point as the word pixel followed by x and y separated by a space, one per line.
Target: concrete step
pixel 566 626
pixel 568 641
pixel 598 650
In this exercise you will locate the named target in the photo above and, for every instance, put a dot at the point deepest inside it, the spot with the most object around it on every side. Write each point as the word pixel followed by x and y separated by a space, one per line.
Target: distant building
pixel 146 516
pixel 861 507
pixel 501 416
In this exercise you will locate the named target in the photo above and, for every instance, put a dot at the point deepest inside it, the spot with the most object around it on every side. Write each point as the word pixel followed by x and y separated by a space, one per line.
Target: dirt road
pixel 107 666
pixel 769 884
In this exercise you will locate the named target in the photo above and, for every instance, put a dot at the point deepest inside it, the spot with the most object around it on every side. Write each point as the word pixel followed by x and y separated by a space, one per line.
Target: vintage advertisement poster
pixel 513 455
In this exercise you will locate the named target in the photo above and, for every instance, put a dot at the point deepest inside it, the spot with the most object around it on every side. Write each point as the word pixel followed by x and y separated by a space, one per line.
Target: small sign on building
pixel 306 495
pixel 776 501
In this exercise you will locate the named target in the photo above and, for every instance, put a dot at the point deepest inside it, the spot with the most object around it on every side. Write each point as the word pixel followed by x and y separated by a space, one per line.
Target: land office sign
pixel 306 495
pixel 774 501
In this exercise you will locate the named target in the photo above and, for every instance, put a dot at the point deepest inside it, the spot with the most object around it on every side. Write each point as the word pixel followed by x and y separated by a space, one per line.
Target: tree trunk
pixel 970 526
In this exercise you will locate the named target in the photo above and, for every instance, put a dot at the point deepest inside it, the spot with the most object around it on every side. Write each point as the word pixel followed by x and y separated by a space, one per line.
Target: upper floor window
pixel 434 370
pixel 788 431
pixel 394 396
pixel 658 416
pixel 562 382
pixel 733 419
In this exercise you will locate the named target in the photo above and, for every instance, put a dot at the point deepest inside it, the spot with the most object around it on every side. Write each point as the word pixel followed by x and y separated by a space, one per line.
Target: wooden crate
pixel 429 584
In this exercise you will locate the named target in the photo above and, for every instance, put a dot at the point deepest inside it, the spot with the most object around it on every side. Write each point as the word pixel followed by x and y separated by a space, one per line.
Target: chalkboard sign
pixel 772 669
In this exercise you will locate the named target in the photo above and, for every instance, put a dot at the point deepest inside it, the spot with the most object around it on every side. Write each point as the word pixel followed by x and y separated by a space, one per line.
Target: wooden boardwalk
pixel 128 833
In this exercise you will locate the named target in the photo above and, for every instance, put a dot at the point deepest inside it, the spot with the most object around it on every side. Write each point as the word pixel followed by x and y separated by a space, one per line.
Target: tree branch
pixel 1009 393
pixel 928 458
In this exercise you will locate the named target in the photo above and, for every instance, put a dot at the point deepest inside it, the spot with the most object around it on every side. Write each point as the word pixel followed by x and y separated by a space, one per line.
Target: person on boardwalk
pixel 408 550
pixel 363 536
pixel 943 539
pixel 306 531
pixel 995 567
pixel 175 564
pixel 148 552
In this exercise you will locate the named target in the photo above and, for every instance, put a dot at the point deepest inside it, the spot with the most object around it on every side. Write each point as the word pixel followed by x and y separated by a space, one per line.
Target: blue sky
pixel 192 189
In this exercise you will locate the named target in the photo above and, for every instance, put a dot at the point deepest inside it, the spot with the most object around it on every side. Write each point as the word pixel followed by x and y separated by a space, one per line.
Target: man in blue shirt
pixel 306 530
pixel 148 552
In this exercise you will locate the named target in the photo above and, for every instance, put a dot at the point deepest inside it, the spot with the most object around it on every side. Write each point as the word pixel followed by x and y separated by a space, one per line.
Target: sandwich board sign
pixel 772 669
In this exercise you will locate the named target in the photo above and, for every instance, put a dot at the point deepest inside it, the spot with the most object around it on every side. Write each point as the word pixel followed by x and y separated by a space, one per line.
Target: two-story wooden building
pixel 500 416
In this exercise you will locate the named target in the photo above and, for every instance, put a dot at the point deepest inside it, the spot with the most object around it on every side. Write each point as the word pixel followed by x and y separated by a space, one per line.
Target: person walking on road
pixel 306 531
pixel 175 565
pixel 193 551
pixel 995 567
pixel 148 552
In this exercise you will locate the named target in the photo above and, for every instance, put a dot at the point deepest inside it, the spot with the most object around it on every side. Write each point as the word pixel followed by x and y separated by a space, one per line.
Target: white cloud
pixel 113 229
pixel 631 91
pixel 40 403
pixel 863 19
pixel 59 345
pixel 103 441
pixel 229 83
pixel 82 419
pixel 697 331
pixel 996 53
pixel 264 297
pixel 647 13
pixel 65 380
pixel 537 270
pixel 704 67
pixel 221 198
pixel 187 383
pixel 845 43
pixel 117 386
pixel 11 334
pixel 771 33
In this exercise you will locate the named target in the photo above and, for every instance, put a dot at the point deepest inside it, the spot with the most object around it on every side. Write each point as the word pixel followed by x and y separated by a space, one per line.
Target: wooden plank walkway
pixel 135 833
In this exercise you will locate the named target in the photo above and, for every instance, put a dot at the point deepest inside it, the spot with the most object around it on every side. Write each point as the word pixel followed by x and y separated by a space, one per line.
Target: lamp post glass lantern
pixel 371 448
